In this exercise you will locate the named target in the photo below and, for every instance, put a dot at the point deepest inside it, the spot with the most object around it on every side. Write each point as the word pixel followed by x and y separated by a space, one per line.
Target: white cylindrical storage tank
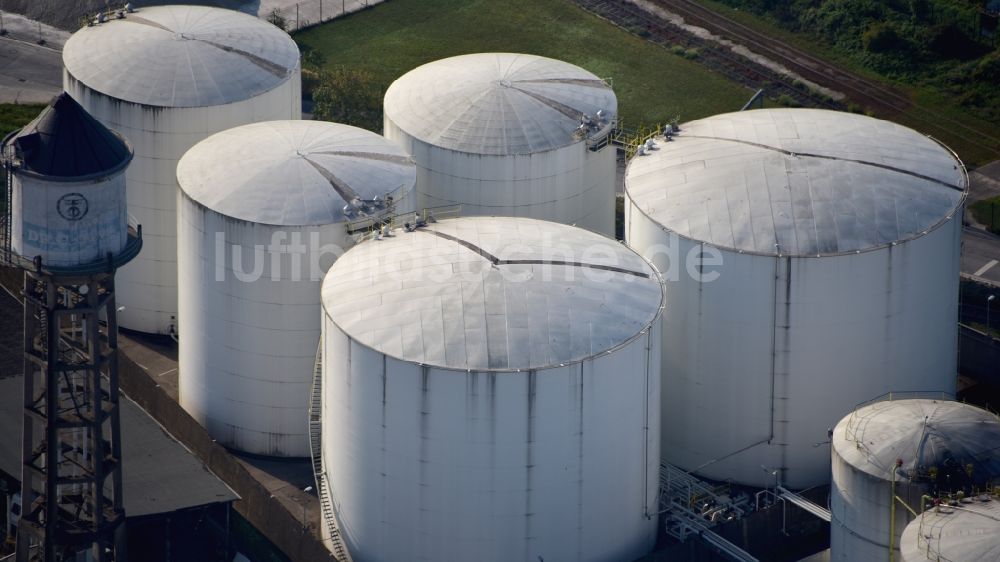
pixel 166 77
pixel 490 392
pixel 67 187
pixel 932 447
pixel 811 260
pixel 505 134
pixel 967 531
pixel 262 213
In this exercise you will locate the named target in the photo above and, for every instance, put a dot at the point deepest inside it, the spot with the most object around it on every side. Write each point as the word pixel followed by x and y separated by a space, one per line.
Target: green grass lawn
pixel 987 212
pixel 14 116
pixel 653 85
pixel 932 118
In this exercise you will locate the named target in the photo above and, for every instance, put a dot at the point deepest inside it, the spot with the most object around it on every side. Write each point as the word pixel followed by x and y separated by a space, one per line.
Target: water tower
pixel 65 225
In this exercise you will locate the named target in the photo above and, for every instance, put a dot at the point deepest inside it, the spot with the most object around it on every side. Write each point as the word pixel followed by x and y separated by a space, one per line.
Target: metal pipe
pixel 892 517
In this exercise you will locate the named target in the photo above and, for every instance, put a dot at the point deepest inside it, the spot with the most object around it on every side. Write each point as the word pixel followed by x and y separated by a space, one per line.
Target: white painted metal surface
pixel 933 442
pixel 500 134
pixel 834 280
pixel 968 532
pixel 481 402
pixel 68 201
pixel 260 221
pixel 166 78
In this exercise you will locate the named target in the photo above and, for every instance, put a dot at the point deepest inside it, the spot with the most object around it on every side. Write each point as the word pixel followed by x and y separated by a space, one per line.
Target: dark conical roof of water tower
pixel 66 141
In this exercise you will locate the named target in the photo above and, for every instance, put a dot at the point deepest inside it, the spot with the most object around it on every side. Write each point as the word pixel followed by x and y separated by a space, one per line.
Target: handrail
pixel 328 515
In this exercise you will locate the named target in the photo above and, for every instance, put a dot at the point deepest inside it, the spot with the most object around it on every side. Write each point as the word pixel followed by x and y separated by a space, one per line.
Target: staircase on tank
pixel 337 544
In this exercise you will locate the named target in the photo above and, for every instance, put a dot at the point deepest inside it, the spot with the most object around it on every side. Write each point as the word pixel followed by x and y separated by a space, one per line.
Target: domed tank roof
pixel 969 532
pixel 293 172
pixel 67 142
pixel 492 293
pixel 928 436
pixel 181 56
pixel 800 182
pixel 498 103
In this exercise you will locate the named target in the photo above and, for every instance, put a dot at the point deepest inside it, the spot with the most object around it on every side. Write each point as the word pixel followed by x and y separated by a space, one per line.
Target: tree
pixel 277 19
pixel 349 96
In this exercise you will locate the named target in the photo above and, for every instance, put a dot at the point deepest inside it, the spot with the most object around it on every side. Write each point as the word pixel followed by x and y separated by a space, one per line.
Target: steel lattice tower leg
pixel 71 476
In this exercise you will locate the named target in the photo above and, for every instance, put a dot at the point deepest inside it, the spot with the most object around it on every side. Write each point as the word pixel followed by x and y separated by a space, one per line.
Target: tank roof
pixel 491 293
pixel 293 172
pixel 497 103
pixel 924 434
pixel 969 532
pixel 181 56
pixel 801 182
pixel 67 142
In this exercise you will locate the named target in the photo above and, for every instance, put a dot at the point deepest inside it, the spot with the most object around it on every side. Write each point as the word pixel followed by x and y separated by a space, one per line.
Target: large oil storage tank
pixel 67 187
pixel 812 262
pixel 166 77
pixel 968 531
pixel 490 392
pixel 263 211
pixel 906 449
pixel 505 134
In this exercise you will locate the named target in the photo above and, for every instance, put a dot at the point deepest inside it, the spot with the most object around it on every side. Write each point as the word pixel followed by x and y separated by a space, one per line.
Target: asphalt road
pixel 29 73
pixel 981 255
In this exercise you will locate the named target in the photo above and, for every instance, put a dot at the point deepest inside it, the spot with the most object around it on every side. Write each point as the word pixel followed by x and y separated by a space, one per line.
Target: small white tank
pixel 966 531
pixel 68 187
pixel 263 212
pixel 926 446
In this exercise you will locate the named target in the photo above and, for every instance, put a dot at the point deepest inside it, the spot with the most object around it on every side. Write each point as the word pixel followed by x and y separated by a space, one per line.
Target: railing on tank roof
pixel 961 165
pixel 375 227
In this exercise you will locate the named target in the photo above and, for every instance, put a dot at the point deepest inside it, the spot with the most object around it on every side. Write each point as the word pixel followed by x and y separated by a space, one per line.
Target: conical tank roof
pixel 66 141
pixel 498 103
pixel 929 437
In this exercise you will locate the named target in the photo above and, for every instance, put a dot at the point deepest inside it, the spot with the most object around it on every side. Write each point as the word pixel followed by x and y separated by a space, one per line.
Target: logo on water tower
pixel 72 206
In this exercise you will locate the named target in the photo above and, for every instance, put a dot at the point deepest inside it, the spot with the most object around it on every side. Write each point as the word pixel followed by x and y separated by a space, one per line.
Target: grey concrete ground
pixel 981 249
pixel 30 72
pixel 68 14
pixel 981 255
pixel 284 479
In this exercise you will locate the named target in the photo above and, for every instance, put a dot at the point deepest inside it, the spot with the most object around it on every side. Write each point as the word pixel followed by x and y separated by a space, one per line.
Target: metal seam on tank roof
pixel 267 65
pixel 574 81
pixel 143 21
pixel 345 191
pixel 828 157
pixel 497 261
pixel 275 69
pixel 391 158
pixel 566 110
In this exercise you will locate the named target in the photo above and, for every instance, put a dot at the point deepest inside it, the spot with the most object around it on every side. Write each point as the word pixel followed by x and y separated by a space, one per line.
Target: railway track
pixel 717 57
pixel 884 100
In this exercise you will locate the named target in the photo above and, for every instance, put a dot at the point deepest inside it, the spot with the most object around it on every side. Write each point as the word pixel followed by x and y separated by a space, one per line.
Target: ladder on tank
pixel 7 219
pixel 337 544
